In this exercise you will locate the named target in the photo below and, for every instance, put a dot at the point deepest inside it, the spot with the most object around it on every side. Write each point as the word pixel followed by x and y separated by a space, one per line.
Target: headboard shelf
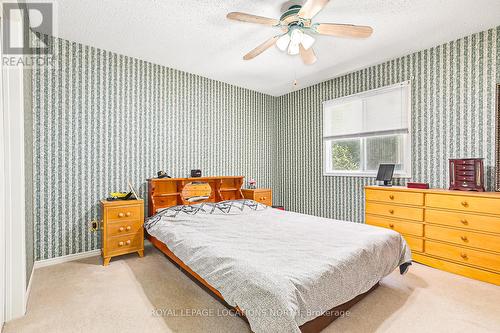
pixel 167 192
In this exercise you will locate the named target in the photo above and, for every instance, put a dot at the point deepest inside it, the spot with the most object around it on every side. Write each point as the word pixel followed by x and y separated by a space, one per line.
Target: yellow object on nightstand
pixel 262 195
pixel 122 228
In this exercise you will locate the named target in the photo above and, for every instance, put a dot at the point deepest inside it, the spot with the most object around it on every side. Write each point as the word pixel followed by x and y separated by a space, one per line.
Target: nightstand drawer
pixel 124 213
pixel 399 197
pixel 264 196
pixel 125 243
pixel 410 228
pixel 408 213
pixel 123 228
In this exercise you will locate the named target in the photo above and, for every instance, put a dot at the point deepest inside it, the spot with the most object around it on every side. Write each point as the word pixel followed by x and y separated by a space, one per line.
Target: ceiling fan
pixel 296 24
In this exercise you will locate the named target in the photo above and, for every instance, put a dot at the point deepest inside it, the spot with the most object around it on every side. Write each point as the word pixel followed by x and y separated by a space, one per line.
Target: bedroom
pixel 288 110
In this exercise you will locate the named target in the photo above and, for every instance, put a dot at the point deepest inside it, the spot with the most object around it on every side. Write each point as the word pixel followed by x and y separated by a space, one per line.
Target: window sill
pixel 363 174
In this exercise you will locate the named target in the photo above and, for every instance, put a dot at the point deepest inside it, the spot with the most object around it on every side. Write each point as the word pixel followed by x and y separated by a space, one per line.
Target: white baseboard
pixel 28 290
pixel 69 257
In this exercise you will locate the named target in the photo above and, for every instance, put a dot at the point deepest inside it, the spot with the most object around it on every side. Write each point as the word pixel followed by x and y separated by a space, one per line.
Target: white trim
pixel 28 290
pixel 366 93
pixel 364 174
pixel 66 258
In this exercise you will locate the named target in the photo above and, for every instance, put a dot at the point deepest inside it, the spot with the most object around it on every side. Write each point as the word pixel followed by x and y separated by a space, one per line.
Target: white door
pixel 2 195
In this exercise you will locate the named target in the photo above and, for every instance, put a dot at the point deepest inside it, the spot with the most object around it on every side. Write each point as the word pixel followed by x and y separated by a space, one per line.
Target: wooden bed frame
pixel 166 192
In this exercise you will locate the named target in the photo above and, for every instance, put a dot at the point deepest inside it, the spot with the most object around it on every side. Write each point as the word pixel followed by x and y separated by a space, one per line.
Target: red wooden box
pixel 467 174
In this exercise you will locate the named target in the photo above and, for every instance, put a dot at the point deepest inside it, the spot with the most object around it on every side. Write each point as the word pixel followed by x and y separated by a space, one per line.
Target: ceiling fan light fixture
pixel 283 42
pixel 293 48
pixel 296 36
pixel 307 41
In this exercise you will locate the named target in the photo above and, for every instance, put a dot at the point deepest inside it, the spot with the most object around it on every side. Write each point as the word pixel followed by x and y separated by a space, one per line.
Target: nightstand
pixel 122 228
pixel 262 195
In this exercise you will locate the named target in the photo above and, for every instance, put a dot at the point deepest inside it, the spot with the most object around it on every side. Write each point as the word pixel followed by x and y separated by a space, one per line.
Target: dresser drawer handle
pixel 391 211
pixel 391 225
pixel 464 222
pixel 465 203
pixel 464 238
pixel 121 229
pixel 391 197
pixel 127 242
pixel 128 214
pixel 121 214
pixel 121 244
pixel 128 228
pixel 464 256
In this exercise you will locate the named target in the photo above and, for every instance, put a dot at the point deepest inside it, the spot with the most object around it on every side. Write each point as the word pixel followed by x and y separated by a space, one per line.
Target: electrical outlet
pixel 94 225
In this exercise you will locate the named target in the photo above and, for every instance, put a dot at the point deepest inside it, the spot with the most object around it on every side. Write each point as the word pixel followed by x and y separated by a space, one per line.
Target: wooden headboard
pixel 166 192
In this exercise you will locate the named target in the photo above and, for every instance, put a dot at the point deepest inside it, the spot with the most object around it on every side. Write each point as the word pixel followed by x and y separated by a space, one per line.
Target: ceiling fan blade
pixel 311 8
pixel 251 18
pixel 308 56
pixel 343 30
pixel 261 48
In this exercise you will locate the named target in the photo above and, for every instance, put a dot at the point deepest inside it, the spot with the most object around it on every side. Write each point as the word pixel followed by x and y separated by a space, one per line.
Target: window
pixel 364 130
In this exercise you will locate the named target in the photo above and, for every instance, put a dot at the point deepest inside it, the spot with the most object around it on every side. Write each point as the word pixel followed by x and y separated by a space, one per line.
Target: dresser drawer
pixel 466 256
pixel 415 244
pixel 124 213
pixel 400 197
pixel 466 238
pixel 125 243
pixel 463 220
pixel 408 213
pixel 464 203
pixel 123 227
pixel 407 228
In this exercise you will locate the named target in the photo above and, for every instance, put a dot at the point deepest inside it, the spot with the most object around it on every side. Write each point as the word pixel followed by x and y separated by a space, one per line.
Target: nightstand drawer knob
pixel 121 229
pixel 121 214
pixel 128 214
pixel 121 243
pixel 129 227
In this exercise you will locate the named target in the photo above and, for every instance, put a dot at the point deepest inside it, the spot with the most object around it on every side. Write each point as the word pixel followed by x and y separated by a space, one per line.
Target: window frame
pixel 407 138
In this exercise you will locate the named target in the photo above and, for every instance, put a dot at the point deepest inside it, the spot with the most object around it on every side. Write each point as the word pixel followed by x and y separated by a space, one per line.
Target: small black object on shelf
pixel 195 173
pixel 385 173
pixel 163 174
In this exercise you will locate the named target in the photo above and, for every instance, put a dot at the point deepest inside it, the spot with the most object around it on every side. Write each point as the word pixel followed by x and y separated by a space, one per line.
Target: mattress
pixel 282 269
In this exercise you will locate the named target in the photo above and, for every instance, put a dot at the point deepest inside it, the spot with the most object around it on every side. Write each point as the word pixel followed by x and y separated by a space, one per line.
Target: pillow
pixel 228 207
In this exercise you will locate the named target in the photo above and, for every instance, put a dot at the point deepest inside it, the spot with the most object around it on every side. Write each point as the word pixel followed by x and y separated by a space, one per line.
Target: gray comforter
pixel 281 268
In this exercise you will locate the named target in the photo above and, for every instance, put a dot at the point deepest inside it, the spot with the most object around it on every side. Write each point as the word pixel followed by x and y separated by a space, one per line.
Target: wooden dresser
pixel 122 228
pixel 262 195
pixel 455 231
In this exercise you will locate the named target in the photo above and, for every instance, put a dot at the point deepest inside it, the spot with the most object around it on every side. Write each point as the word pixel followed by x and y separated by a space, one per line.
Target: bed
pixel 281 271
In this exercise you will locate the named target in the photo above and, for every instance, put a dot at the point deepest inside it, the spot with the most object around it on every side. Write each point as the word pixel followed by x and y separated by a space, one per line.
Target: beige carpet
pixel 150 295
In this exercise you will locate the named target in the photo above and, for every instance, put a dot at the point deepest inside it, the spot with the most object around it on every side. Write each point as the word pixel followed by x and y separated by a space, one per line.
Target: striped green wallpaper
pixel 101 118
pixel 453 104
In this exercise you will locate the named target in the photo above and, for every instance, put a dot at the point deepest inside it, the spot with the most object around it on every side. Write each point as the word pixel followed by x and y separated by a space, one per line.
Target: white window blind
pixel 381 111
pixel 362 131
